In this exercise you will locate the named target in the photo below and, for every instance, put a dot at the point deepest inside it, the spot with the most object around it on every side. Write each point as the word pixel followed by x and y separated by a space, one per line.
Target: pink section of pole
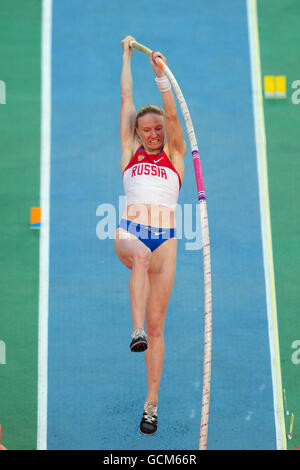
pixel 198 174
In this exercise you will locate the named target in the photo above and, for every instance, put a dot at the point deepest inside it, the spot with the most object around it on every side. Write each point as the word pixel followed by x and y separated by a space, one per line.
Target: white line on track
pixel 45 226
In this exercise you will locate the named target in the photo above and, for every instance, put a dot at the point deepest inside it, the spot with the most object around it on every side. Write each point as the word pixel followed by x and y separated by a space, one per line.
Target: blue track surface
pixel 97 386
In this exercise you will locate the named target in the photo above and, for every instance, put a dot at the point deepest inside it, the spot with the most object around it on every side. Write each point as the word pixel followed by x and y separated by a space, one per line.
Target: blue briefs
pixel 152 237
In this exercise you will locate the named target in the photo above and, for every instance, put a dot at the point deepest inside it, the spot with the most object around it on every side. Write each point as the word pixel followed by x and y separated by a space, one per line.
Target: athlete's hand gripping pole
pixel 205 241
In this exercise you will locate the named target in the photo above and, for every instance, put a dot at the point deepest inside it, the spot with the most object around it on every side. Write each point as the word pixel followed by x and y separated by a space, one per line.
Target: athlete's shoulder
pixel 138 150
pixel 175 162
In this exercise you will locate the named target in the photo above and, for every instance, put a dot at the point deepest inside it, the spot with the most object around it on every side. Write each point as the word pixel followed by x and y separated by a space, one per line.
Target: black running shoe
pixel 148 423
pixel 139 340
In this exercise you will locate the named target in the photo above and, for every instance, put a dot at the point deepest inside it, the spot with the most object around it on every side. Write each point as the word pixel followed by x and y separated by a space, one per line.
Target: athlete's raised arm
pixel 173 129
pixel 128 113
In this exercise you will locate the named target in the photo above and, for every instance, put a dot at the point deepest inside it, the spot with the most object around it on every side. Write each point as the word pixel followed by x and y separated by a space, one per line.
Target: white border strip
pixel 261 153
pixel 45 225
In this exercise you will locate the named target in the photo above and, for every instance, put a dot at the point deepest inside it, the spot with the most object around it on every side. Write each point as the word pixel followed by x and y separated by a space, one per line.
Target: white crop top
pixel 151 179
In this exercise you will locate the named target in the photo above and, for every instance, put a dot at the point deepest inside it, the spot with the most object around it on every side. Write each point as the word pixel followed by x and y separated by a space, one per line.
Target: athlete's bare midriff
pixel 150 214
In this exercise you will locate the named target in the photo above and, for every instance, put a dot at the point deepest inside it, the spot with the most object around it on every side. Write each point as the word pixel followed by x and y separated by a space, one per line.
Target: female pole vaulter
pixel 152 163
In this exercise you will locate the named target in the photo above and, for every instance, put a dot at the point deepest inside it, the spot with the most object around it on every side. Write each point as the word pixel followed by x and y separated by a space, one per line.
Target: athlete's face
pixel 151 131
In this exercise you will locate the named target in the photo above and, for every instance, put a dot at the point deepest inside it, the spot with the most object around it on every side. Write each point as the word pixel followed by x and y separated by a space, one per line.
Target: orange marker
pixel 35 217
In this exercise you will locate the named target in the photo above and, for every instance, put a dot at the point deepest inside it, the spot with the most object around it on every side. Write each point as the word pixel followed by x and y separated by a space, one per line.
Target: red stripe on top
pixel 160 159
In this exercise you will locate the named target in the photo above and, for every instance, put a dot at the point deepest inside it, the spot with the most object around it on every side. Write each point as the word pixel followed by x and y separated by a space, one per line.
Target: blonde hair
pixel 148 108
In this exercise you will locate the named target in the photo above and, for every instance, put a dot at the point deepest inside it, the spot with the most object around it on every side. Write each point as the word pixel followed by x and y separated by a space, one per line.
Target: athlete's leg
pixel 161 278
pixel 136 256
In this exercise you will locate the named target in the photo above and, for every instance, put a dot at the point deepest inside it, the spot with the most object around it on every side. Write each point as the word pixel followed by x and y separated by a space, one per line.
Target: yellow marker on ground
pixel 280 85
pixel 275 86
pixel 269 86
pixel 291 426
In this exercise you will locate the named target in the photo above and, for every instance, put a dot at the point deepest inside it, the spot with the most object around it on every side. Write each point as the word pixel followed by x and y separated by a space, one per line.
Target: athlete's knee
pixel 155 328
pixel 141 259
pixel 155 332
